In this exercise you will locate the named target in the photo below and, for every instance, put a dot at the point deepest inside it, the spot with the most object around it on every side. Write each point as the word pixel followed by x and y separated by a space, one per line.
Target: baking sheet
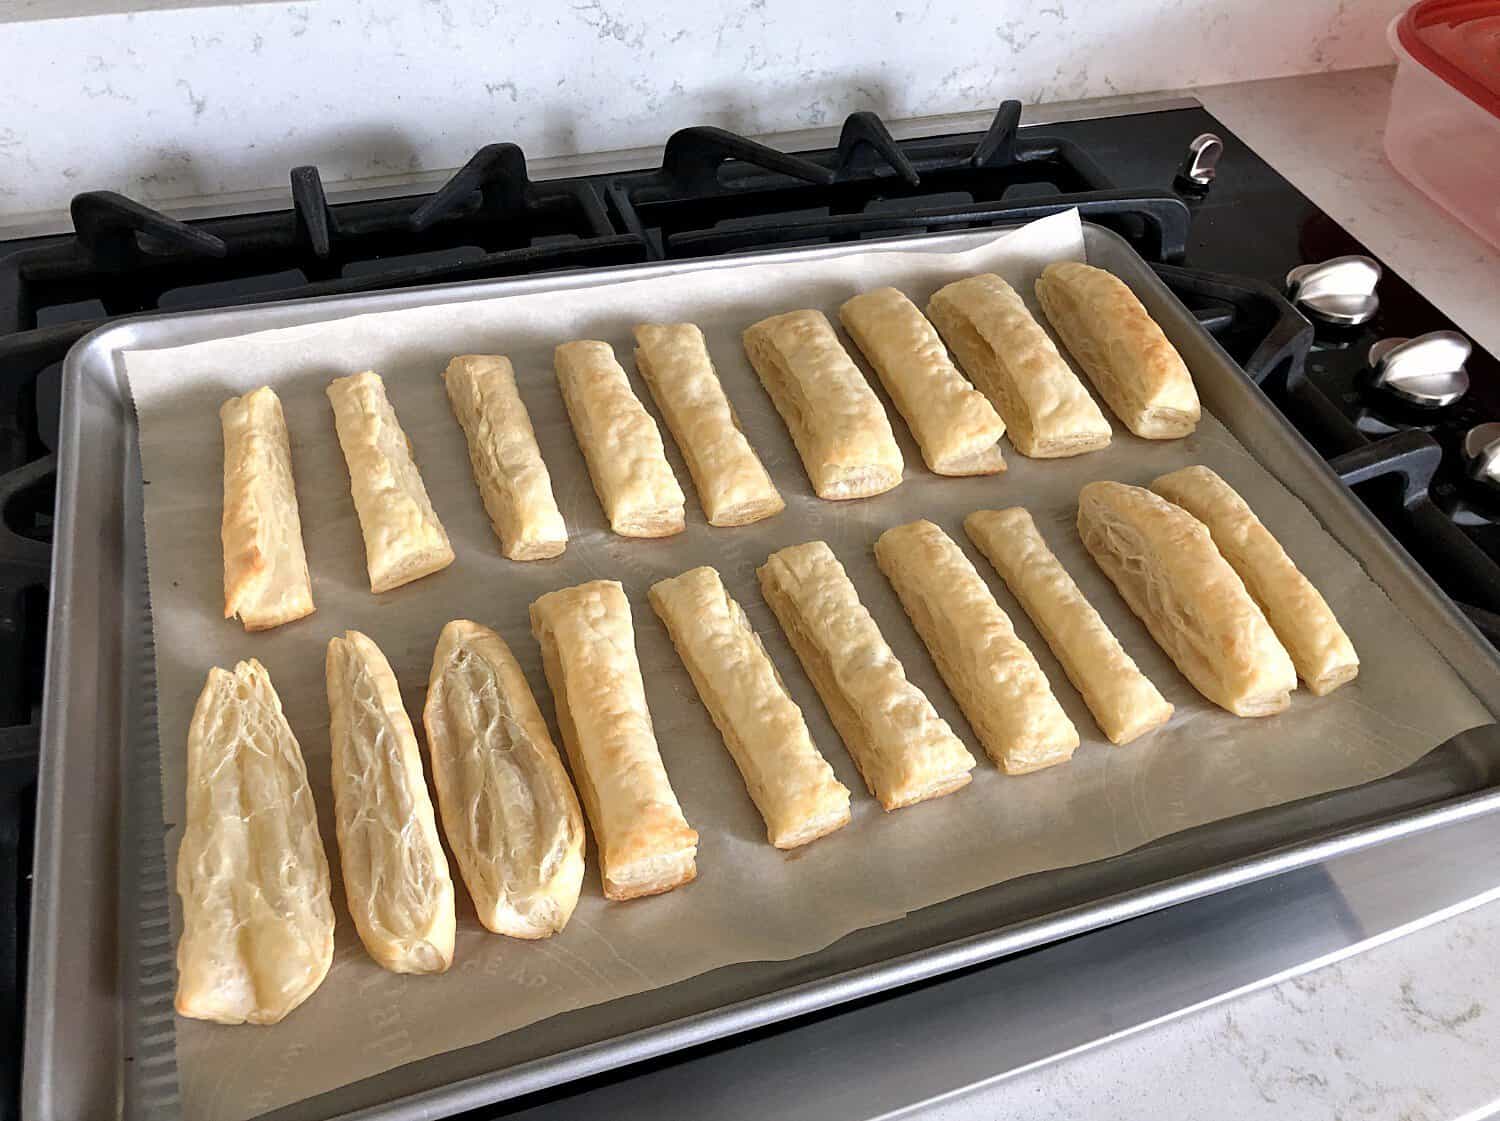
pixel 750 901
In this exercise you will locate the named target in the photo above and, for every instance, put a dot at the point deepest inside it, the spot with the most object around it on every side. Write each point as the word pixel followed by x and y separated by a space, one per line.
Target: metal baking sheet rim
pixel 66 946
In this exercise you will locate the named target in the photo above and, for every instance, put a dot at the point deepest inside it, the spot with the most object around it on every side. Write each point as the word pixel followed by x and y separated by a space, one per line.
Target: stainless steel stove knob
pixel 1426 371
pixel 1196 171
pixel 1340 291
pixel 1482 453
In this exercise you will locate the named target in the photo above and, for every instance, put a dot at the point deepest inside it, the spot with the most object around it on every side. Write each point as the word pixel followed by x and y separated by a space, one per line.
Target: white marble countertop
pixel 1323 132
pixel 191 102
pixel 1407 1030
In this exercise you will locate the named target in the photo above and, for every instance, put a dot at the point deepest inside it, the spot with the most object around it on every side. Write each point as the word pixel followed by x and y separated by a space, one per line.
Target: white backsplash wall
pixel 176 105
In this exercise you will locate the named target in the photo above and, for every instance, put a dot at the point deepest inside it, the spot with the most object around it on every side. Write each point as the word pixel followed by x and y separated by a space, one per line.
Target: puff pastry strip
pixel 588 651
pixel 1301 618
pixel 620 443
pixel 1167 569
pixel 904 750
pixel 955 425
pixel 1120 696
pixel 791 784
pixel 395 874
pixel 257 918
pixel 1047 410
pixel 508 468
pixel 836 421
pixel 509 811
pixel 989 670
pixel 265 569
pixel 404 540
pixel 1121 348
pixel 732 484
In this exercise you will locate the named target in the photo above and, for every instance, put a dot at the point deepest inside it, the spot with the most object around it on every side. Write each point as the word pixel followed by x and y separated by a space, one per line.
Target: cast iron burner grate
pixel 717 192
pixel 714 193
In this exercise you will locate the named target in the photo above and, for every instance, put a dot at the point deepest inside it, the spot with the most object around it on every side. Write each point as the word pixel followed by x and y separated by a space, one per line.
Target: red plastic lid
pixel 1459 41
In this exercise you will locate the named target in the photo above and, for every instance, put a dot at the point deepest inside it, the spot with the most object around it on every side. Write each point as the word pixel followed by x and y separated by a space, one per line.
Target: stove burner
pixel 716 192
pixel 719 193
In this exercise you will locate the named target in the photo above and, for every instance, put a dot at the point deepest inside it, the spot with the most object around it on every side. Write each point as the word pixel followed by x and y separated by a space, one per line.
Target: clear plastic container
pixel 1443 132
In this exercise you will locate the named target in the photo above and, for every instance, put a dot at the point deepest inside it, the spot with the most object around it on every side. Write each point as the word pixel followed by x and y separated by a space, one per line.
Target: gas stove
pixel 1373 375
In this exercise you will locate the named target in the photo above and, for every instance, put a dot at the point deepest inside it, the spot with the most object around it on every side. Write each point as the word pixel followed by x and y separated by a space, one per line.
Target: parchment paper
pixel 750 901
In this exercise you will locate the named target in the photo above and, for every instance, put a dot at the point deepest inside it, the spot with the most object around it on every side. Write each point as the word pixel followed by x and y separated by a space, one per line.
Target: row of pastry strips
pixel 1220 596
pixel 839 427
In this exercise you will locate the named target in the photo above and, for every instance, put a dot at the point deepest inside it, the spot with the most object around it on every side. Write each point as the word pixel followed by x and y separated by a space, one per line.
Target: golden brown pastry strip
pixel 588 651
pixel 989 671
pixel 1121 348
pixel 1165 566
pixel 732 485
pixel 1122 699
pixel 620 443
pixel 257 917
pixel 956 427
pixel 508 809
pixel 404 540
pixel 836 421
pixel 508 468
pixel 790 782
pixel 265 569
pixel 395 874
pixel 1301 618
pixel 904 750
pixel 1047 410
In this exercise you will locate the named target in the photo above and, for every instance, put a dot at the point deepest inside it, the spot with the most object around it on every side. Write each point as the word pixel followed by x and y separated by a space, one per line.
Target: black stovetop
pixel 1226 252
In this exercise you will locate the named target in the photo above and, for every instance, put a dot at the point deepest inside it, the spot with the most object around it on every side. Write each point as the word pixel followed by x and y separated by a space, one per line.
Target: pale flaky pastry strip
pixel 1120 696
pixel 789 781
pixel 1300 616
pixel 509 811
pixel 265 569
pixel 904 750
pixel 1121 348
pixel 257 917
pixel 404 540
pixel 1047 411
pixel 732 484
pixel 395 874
pixel 623 449
pixel 954 424
pixel 588 651
pixel 508 468
pixel 836 421
pixel 1167 569
pixel 987 668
